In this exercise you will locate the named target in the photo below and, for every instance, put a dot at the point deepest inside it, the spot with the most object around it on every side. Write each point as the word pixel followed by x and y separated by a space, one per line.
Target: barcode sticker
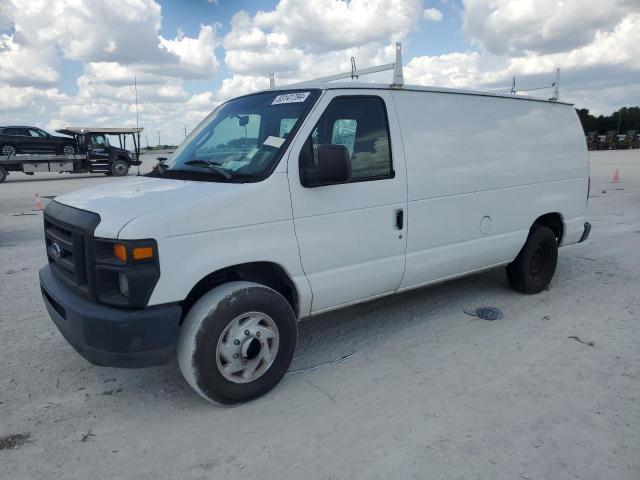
pixel 296 97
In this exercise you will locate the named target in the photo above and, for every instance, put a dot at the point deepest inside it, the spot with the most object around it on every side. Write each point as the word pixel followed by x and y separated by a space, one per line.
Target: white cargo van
pixel 290 202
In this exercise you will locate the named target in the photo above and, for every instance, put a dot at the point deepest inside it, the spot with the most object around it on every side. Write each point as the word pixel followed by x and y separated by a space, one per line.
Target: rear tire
pixel 533 268
pixel 237 342
pixel 119 168
pixel 7 150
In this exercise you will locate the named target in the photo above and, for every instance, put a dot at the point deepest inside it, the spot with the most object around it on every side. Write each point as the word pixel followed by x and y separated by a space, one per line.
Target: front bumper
pixel 108 336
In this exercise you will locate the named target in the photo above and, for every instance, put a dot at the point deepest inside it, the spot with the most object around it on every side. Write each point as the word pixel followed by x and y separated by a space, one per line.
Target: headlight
pixel 126 271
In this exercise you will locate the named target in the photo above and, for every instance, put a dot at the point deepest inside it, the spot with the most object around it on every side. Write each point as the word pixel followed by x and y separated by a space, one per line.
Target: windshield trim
pixel 314 95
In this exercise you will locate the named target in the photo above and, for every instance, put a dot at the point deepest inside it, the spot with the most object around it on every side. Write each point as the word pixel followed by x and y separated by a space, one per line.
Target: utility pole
pixel 619 119
pixel 135 87
pixel 185 131
pixel 147 137
pixel 158 137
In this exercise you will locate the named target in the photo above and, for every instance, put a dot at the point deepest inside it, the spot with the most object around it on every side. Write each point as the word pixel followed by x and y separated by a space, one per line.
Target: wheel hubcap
pixel 8 150
pixel 68 150
pixel 120 169
pixel 247 347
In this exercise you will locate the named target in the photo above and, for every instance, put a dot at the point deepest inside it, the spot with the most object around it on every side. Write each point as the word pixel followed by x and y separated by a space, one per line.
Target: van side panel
pixel 480 170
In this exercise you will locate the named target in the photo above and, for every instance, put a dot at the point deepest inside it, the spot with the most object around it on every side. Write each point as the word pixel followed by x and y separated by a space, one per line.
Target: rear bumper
pixel 586 232
pixel 108 336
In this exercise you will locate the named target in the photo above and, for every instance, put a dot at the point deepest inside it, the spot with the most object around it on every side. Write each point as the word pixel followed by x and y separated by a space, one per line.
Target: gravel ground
pixel 430 393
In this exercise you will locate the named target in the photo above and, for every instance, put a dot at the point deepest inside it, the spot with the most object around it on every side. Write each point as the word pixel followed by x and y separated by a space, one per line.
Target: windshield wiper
pixel 213 166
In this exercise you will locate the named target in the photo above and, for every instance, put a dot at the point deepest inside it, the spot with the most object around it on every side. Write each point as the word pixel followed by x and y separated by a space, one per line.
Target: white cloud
pixel 591 74
pixel 542 26
pixel 22 66
pixel 14 98
pixel 97 31
pixel 452 70
pixel 432 14
pixel 327 25
pixel 196 55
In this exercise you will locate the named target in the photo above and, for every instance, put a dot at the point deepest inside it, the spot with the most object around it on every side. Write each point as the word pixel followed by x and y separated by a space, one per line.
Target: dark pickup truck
pixel 20 139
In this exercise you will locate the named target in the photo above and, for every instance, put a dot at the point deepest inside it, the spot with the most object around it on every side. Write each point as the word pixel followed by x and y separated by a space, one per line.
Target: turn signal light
pixel 142 253
pixel 120 252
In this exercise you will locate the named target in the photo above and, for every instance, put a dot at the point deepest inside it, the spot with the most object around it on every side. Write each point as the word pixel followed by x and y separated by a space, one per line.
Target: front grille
pixel 64 249
pixel 69 237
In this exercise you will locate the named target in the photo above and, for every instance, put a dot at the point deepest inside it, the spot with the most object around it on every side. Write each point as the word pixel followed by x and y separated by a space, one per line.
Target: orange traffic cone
pixel 616 177
pixel 38 203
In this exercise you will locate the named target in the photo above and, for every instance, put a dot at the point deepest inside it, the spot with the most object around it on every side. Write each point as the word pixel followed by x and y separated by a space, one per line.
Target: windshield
pixel 241 140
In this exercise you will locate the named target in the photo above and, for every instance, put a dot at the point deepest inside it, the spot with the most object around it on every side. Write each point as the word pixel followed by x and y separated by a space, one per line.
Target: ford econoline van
pixel 290 202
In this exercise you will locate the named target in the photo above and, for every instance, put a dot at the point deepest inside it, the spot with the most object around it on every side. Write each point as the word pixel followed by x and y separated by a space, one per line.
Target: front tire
pixel 532 270
pixel 119 168
pixel 68 149
pixel 237 342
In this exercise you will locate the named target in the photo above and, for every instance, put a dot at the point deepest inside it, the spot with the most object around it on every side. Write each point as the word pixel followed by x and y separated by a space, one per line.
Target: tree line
pixel 620 121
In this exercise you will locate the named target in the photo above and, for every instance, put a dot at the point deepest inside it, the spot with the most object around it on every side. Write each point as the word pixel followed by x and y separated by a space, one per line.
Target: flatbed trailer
pixel 96 155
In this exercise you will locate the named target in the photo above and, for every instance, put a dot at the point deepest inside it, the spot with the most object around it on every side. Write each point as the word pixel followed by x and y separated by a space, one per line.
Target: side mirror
pixel 334 166
pixel 160 166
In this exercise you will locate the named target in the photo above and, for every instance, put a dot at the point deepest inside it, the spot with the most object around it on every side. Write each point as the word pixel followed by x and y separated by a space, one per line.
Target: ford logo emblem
pixel 56 251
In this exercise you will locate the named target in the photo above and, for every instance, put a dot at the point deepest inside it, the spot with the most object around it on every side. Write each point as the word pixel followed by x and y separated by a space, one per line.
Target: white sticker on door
pixel 296 97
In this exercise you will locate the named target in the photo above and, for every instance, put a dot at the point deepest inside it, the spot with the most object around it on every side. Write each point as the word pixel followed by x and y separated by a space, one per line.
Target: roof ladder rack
pixel 398 78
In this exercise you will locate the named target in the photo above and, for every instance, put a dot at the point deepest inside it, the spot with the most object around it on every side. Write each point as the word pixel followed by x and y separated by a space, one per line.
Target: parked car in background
pixel 21 139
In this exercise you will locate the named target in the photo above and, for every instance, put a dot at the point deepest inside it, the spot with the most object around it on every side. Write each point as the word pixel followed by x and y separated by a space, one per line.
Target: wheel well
pixel 268 274
pixel 554 222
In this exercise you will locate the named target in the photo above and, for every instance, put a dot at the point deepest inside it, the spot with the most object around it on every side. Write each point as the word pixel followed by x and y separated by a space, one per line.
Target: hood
pixel 119 202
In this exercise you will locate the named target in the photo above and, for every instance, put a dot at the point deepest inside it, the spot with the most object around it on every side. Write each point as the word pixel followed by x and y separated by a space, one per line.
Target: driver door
pixel 98 147
pixel 352 236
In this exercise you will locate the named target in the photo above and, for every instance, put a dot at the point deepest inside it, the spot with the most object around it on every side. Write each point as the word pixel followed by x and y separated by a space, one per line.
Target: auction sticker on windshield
pixel 296 97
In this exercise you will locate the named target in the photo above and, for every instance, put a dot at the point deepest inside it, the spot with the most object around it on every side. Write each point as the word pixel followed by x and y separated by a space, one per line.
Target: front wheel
pixel 533 268
pixel 237 342
pixel 119 168
pixel 68 149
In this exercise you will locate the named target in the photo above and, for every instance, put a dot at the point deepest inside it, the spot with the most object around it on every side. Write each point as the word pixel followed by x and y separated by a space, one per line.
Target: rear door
pixel 352 236
pixel 19 137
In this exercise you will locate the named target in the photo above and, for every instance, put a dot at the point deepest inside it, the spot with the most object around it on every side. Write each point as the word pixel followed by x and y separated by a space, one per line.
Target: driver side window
pixel 359 124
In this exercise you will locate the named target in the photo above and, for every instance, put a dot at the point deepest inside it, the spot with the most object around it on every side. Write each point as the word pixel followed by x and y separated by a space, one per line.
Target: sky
pixel 73 62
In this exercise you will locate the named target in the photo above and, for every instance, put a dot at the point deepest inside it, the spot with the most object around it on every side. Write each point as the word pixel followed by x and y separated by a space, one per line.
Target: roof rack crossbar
pixel 355 73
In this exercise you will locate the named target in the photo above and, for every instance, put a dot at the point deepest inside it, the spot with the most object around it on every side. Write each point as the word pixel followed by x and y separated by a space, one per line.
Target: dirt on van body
pixel 551 390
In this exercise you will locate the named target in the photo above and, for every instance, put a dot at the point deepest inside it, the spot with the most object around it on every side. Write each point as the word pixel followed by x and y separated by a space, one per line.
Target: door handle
pixel 399 219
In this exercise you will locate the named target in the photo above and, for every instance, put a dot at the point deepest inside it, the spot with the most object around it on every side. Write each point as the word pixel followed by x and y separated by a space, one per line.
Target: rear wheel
pixel 237 342
pixel 7 150
pixel 533 268
pixel 119 168
pixel 3 174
